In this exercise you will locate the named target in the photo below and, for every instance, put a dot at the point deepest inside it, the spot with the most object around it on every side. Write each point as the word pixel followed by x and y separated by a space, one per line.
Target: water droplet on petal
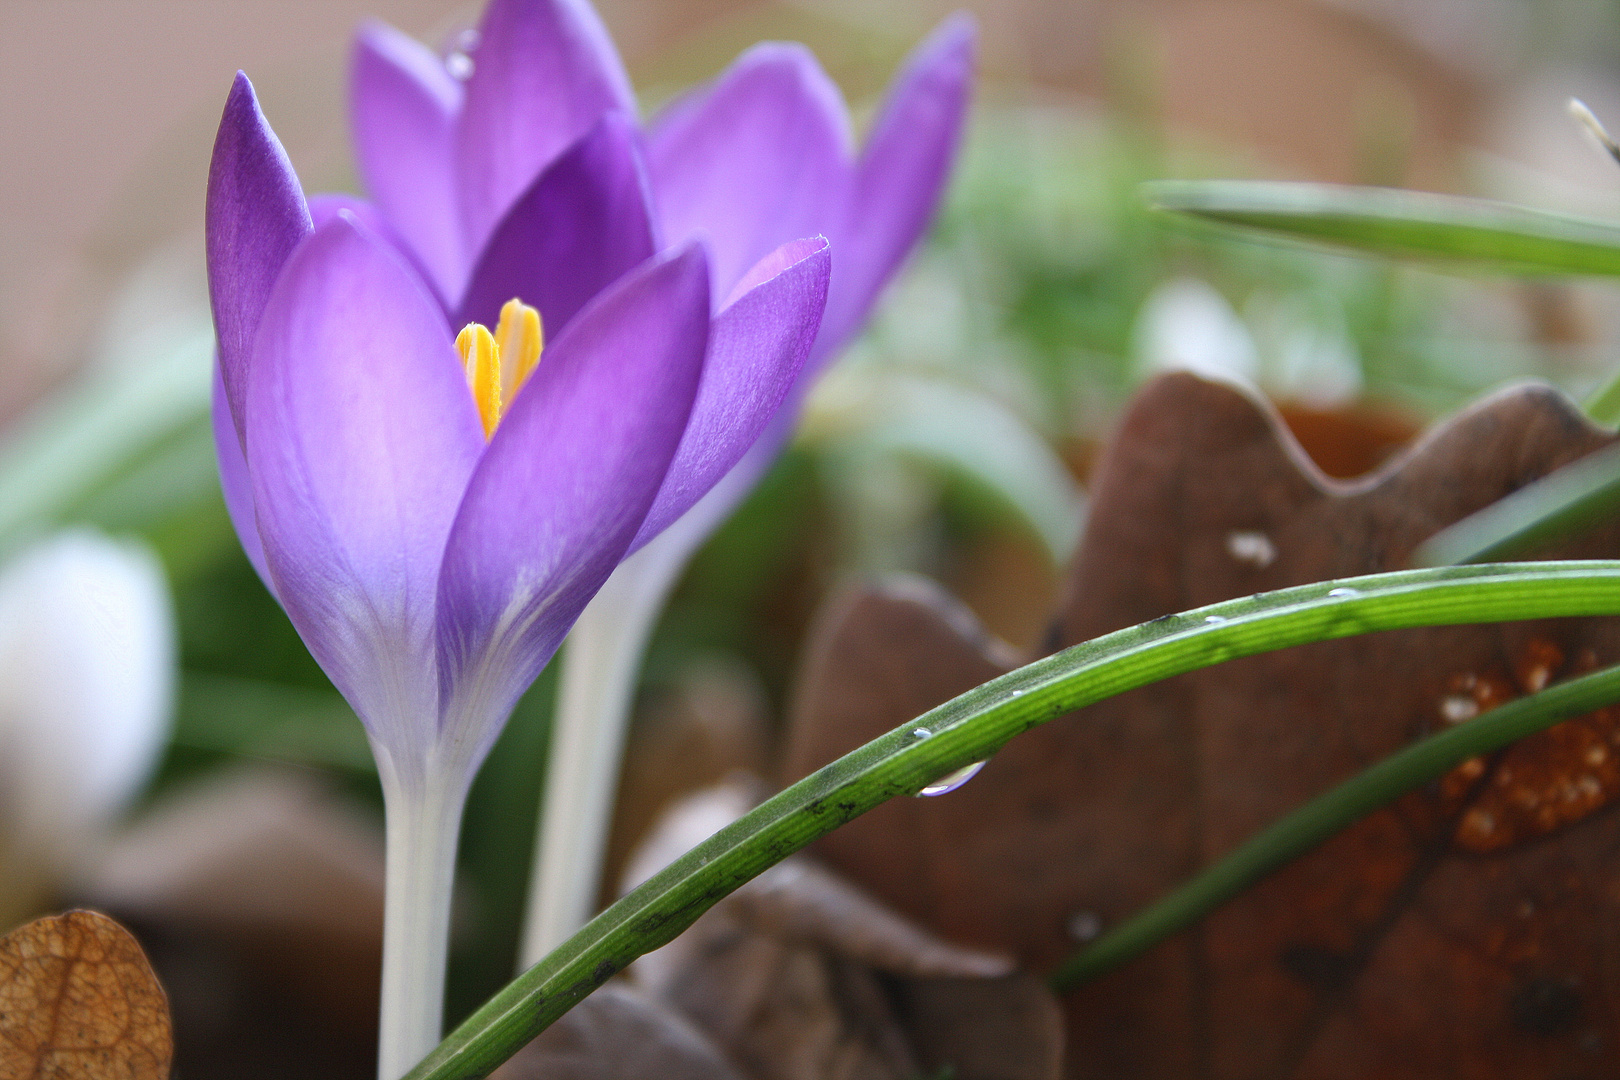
pixel 951 781
pixel 459 51
pixel 1214 618
pixel 920 733
pixel 1341 592
pixel 1017 693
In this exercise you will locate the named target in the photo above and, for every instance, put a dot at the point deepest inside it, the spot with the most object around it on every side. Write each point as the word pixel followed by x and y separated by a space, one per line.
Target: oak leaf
pixel 798 975
pixel 1468 930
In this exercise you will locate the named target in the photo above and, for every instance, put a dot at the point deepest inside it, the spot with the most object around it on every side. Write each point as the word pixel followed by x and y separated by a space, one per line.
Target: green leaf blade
pixel 973 727
pixel 1401 224
pixel 1563 502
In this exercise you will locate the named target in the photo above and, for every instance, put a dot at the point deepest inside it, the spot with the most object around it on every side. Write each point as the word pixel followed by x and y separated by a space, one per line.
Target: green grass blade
pixel 1327 814
pixel 1604 404
pixel 1562 502
pixel 66 450
pixel 974 726
pixel 1402 224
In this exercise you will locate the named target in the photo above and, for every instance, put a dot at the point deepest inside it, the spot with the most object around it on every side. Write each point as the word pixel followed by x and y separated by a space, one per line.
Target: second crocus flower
pixel 479 164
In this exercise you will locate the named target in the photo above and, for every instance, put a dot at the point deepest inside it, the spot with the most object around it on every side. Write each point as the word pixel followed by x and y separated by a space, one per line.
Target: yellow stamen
pixel 518 341
pixel 482 359
pixel 520 337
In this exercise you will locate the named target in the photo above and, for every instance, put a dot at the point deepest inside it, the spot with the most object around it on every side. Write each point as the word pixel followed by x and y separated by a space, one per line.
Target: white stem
pixel 423 822
pixel 599 669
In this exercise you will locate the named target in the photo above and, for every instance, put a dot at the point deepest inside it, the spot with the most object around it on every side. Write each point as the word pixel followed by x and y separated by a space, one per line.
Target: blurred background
pixel 953 440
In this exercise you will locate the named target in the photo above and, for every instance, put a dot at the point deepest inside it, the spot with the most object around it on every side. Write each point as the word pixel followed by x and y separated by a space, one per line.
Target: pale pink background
pixel 107 107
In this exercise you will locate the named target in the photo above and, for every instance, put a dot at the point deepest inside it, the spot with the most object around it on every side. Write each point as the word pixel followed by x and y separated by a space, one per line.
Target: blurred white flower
pixel 1311 357
pixel 87 660
pixel 1185 324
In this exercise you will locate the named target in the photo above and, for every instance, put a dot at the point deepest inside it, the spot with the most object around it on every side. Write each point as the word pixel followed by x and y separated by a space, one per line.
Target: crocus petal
pixel 901 175
pixel 362 438
pixel 762 159
pixel 583 224
pixel 256 215
pixel 235 482
pixel 757 347
pixel 543 72
pixel 403 107
pixel 329 206
pixel 564 486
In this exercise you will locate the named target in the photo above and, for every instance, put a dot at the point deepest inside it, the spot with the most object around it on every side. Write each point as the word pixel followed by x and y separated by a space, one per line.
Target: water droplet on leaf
pixel 951 781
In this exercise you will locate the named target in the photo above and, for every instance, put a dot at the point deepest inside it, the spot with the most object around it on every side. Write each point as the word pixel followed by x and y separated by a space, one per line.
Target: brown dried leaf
pixel 800 976
pixel 259 893
pixel 988 1029
pixel 1412 945
pixel 619 1034
pixel 78 1000
pixel 800 902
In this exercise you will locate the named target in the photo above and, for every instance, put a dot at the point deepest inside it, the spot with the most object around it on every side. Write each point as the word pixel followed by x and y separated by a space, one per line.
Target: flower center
pixel 498 364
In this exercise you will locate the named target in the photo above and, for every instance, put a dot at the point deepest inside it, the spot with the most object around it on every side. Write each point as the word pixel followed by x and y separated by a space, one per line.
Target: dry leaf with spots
pixel 1472 929
pixel 78 1001
pixel 800 976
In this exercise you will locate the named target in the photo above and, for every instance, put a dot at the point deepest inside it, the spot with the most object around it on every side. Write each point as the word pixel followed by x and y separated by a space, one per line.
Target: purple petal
pixel 329 206
pixel 235 482
pixel 757 347
pixel 403 106
pixel 761 158
pixel 360 439
pixel 901 175
pixel 564 485
pixel 583 224
pixel 255 217
pixel 543 72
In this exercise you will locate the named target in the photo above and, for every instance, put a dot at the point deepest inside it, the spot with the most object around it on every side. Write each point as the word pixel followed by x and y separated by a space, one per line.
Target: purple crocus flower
pixel 434 523
pixel 762 156
pixel 433 550
pixel 464 160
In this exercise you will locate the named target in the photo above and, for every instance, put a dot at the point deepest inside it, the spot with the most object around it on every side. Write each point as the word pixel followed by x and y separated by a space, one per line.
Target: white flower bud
pixel 87 659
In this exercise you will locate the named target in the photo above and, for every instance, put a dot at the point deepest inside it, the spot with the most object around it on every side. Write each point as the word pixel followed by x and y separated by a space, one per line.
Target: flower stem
pixel 599 669
pixel 423 820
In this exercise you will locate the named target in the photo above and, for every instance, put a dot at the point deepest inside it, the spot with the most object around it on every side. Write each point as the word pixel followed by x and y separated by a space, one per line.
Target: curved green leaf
pixel 1402 224
pixel 974 726
pixel 1563 502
